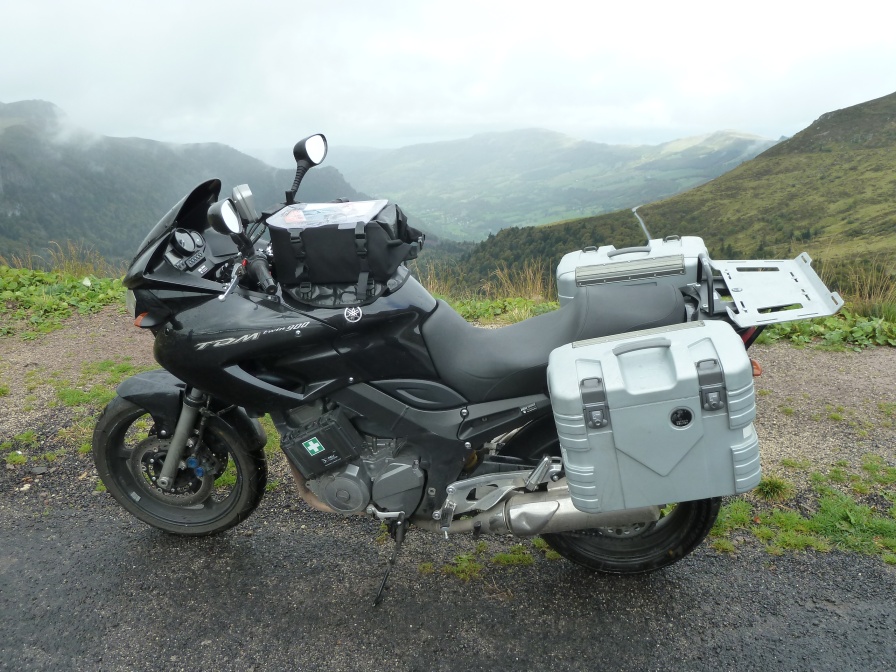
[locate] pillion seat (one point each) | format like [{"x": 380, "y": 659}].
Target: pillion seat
[{"x": 489, "y": 364}]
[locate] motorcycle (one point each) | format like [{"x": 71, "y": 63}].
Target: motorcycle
[{"x": 389, "y": 404}]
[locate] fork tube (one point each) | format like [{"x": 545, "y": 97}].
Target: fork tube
[{"x": 193, "y": 401}]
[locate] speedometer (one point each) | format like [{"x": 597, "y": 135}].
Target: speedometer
[{"x": 183, "y": 242}]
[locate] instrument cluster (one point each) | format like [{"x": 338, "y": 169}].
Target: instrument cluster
[{"x": 186, "y": 251}]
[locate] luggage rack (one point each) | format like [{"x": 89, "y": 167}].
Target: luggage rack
[{"x": 769, "y": 291}]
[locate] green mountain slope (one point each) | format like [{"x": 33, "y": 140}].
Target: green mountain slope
[
  {"x": 59, "y": 184},
  {"x": 468, "y": 188},
  {"x": 830, "y": 189}
]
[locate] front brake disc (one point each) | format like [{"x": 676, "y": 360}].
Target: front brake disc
[{"x": 146, "y": 463}]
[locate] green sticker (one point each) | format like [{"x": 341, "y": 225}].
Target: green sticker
[{"x": 313, "y": 446}]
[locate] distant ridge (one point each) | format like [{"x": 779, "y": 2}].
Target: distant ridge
[
  {"x": 467, "y": 188},
  {"x": 59, "y": 183},
  {"x": 830, "y": 189}
]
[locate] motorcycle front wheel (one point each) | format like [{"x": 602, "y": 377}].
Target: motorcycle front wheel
[{"x": 218, "y": 487}]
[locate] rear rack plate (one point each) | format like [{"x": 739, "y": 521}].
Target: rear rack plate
[{"x": 770, "y": 291}]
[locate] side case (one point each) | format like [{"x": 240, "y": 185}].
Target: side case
[
  {"x": 654, "y": 417},
  {"x": 672, "y": 260}
]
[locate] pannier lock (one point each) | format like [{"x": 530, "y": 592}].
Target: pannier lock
[
  {"x": 594, "y": 398},
  {"x": 711, "y": 381}
]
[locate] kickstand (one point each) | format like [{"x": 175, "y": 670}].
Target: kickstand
[{"x": 398, "y": 527}]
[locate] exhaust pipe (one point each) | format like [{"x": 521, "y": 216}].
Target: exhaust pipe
[{"x": 550, "y": 511}]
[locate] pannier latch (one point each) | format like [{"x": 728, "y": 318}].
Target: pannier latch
[
  {"x": 594, "y": 398},
  {"x": 711, "y": 381}
]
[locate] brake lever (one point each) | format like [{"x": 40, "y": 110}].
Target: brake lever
[{"x": 237, "y": 273}]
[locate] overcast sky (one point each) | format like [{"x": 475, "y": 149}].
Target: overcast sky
[{"x": 383, "y": 73}]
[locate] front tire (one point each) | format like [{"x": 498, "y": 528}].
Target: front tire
[{"x": 222, "y": 491}]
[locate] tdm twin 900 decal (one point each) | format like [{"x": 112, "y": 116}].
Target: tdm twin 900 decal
[
  {"x": 228, "y": 341},
  {"x": 220, "y": 343}
]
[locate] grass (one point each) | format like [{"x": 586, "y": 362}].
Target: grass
[
  {"x": 16, "y": 458},
  {"x": 844, "y": 511},
  {"x": 518, "y": 555},
  {"x": 774, "y": 489},
  {"x": 543, "y": 546},
  {"x": 465, "y": 567},
  {"x": 34, "y": 302}
]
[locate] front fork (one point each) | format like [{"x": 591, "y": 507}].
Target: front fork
[{"x": 194, "y": 400}]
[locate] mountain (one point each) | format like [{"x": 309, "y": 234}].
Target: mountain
[
  {"x": 58, "y": 183},
  {"x": 465, "y": 189},
  {"x": 830, "y": 189}
]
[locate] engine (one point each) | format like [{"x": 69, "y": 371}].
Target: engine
[{"x": 345, "y": 470}]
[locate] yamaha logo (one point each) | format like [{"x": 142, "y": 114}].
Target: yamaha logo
[{"x": 353, "y": 314}]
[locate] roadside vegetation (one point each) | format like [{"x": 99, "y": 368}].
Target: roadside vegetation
[
  {"x": 35, "y": 301},
  {"x": 848, "y": 507}
]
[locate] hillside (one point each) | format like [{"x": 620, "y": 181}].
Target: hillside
[
  {"x": 468, "y": 188},
  {"x": 830, "y": 189},
  {"x": 60, "y": 184}
]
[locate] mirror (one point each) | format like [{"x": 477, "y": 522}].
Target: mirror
[
  {"x": 223, "y": 218},
  {"x": 312, "y": 149}
]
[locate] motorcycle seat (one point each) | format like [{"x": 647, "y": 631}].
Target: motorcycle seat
[{"x": 490, "y": 364}]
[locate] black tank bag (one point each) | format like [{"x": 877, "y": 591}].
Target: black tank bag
[{"x": 341, "y": 254}]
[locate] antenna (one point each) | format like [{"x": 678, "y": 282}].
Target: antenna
[{"x": 641, "y": 222}]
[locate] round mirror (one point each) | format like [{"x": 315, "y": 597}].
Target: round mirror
[
  {"x": 231, "y": 219},
  {"x": 223, "y": 218},
  {"x": 316, "y": 147}
]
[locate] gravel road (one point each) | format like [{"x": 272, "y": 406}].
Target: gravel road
[{"x": 85, "y": 587}]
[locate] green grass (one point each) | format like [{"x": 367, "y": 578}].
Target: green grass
[
  {"x": 543, "y": 546},
  {"x": 844, "y": 331},
  {"x": 774, "y": 489},
  {"x": 34, "y": 302},
  {"x": 795, "y": 464},
  {"x": 16, "y": 458},
  {"x": 94, "y": 396},
  {"x": 518, "y": 555},
  {"x": 843, "y": 512},
  {"x": 465, "y": 567}
]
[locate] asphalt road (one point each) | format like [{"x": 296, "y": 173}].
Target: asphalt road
[{"x": 83, "y": 587}]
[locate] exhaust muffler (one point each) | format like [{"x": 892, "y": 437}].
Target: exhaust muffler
[{"x": 546, "y": 512}]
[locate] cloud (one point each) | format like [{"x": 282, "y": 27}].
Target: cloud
[{"x": 390, "y": 73}]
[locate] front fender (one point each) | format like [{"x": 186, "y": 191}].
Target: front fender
[{"x": 161, "y": 394}]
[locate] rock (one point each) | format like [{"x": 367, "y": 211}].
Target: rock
[{"x": 39, "y": 470}]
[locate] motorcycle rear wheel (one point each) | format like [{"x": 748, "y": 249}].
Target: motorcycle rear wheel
[
  {"x": 631, "y": 551},
  {"x": 681, "y": 528},
  {"x": 127, "y": 454}
]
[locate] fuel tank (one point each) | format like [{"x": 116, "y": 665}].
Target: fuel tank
[{"x": 264, "y": 352}]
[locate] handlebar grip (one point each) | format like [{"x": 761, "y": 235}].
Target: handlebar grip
[{"x": 258, "y": 269}]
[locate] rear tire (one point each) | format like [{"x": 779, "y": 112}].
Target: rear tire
[
  {"x": 633, "y": 551},
  {"x": 619, "y": 551},
  {"x": 214, "y": 498}
]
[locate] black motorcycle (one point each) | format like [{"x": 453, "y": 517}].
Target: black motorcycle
[{"x": 387, "y": 402}]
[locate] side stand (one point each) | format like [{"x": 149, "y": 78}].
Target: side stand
[{"x": 397, "y": 529}]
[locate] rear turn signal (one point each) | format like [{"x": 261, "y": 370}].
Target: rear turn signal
[
  {"x": 142, "y": 315},
  {"x": 757, "y": 369}
]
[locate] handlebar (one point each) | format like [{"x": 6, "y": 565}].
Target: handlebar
[{"x": 259, "y": 271}]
